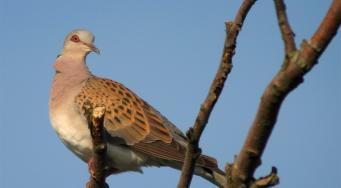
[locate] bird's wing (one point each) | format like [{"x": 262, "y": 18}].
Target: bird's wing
[
  {"x": 126, "y": 116},
  {"x": 130, "y": 118}
]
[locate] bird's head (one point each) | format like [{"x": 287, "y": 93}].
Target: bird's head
[{"x": 80, "y": 42}]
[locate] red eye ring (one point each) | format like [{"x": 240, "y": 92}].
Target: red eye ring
[{"x": 75, "y": 38}]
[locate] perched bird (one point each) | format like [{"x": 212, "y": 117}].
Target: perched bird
[{"x": 137, "y": 134}]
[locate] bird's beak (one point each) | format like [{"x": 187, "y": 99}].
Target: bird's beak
[{"x": 93, "y": 48}]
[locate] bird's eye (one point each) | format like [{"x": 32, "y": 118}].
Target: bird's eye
[{"x": 75, "y": 38}]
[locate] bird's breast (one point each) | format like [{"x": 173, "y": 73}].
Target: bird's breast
[{"x": 72, "y": 129}]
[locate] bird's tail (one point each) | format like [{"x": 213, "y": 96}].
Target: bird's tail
[
  {"x": 215, "y": 176},
  {"x": 207, "y": 168}
]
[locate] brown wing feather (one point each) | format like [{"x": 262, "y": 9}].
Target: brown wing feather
[
  {"x": 126, "y": 115},
  {"x": 172, "y": 152},
  {"x": 140, "y": 126},
  {"x": 169, "y": 151}
]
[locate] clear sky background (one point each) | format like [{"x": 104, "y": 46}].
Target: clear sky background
[{"x": 168, "y": 53}]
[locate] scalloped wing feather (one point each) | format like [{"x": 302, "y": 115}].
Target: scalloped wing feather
[
  {"x": 127, "y": 116},
  {"x": 130, "y": 118}
]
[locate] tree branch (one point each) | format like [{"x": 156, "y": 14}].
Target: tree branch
[
  {"x": 284, "y": 26},
  {"x": 268, "y": 181},
  {"x": 97, "y": 163},
  {"x": 194, "y": 134},
  {"x": 285, "y": 81}
]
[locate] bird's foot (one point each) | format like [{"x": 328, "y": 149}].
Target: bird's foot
[
  {"x": 91, "y": 167},
  {"x": 108, "y": 170}
]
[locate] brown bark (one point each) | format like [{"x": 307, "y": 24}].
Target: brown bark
[
  {"x": 284, "y": 26},
  {"x": 285, "y": 81},
  {"x": 194, "y": 134},
  {"x": 97, "y": 163}
]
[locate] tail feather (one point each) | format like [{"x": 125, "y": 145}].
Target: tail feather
[
  {"x": 208, "y": 169},
  {"x": 215, "y": 176},
  {"x": 207, "y": 161}
]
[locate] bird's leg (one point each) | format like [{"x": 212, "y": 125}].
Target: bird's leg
[
  {"x": 108, "y": 170},
  {"x": 91, "y": 167}
]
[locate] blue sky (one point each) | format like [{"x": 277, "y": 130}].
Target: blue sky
[{"x": 168, "y": 53}]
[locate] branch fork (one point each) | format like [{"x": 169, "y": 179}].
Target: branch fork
[{"x": 295, "y": 65}]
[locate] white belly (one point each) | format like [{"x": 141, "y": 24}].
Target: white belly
[
  {"x": 74, "y": 133},
  {"x": 73, "y": 130}
]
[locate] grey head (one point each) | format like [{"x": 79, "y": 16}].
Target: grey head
[{"x": 80, "y": 41}]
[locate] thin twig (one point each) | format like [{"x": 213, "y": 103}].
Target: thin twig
[
  {"x": 194, "y": 134},
  {"x": 284, "y": 26},
  {"x": 97, "y": 162},
  {"x": 282, "y": 84}
]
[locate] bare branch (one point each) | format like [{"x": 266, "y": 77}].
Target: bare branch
[
  {"x": 194, "y": 134},
  {"x": 285, "y": 81},
  {"x": 97, "y": 163},
  {"x": 268, "y": 181},
  {"x": 284, "y": 26},
  {"x": 325, "y": 33}
]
